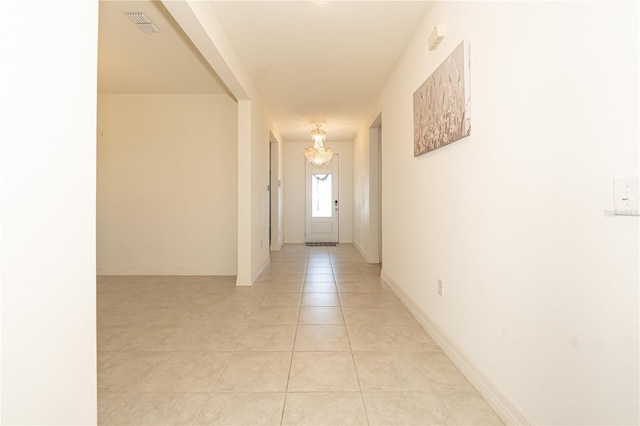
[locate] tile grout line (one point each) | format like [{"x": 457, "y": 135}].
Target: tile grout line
[
  {"x": 449, "y": 416},
  {"x": 295, "y": 335},
  {"x": 334, "y": 260},
  {"x": 364, "y": 406},
  {"x": 135, "y": 392},
  {"x": 210, "y": 395}
]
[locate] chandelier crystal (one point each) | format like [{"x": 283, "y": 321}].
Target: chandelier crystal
[{"x": 318, "y": 154}]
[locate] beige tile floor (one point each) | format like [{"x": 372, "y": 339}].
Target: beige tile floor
[{"x": 318, "y": 340}]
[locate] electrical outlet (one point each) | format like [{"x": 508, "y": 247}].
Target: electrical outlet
[
  {"x": 260, "y": 243},
  {"x": 440, "y": 288}
]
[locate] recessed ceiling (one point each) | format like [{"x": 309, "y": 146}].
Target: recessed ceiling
[{"x": 131, "y": 61}]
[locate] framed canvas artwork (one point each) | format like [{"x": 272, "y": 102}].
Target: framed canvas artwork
[{"x": 441, "y": 105}]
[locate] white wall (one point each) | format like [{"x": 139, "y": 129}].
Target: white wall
[
  {"x": 48, "y": 123},
  {"x": 294, "y": 190},
  {"x": 202, "y": 26},
  {"x": 540, "y": 301},
  {"x": 167, "y": 184},
  {"x": 260, "y": 145},
  {"x": 366, "y": 192},
  {"x": 361, "y": 199},
  {"x": 277, "y": 199}
]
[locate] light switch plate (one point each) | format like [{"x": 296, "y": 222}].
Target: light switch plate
[{"x": 626, "y": 196}]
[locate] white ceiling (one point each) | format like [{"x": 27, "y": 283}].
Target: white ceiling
[
  {"x": 130, "y": 61},
  {"x": 311, "y": 61}
]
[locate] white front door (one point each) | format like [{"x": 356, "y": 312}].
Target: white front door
[{"x": 323, "y": 203}]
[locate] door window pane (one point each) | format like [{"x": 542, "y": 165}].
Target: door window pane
[{"x": 321, "y": 195}]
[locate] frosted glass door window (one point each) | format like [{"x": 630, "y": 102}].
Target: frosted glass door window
[{"x": 321, "y": 195}]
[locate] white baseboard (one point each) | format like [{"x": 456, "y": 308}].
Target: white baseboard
[
  {"x": 165, "y": 271},
  {"x": 256, "y": 274},
  {"x": 367, "y": 257},
  {"x": 243, "y": 281},
  {"x": 508, "y": 411},
  {"x": 295, "y": 241}
]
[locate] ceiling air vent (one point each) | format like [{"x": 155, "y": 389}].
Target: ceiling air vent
[{"x": 142, "y": 22}]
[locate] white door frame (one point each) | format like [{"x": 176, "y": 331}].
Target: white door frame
[{"x": 323, "y": 229}]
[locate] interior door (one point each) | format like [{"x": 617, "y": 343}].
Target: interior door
[{"x": 322, "y": 202}]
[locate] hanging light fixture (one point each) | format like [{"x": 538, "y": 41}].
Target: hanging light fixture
[{"x": 318, "y": 154}]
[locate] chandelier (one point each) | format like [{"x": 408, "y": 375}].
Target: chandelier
[{"x": 318, "y": 154}]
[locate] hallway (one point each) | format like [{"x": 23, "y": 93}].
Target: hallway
[{"x": 319, "y": 339}]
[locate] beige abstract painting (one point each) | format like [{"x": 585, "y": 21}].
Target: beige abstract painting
[{"x": 441, "y": 105}]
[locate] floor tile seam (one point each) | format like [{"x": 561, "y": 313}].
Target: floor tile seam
[
  {"x": 355, "y": 368},
  {"x": 389, "y": 326},
  {"x": 115, "y": 413},
  {"x": 434, "y": 393},
  {"x": 110, "y": 355},
  {"x": 429, "y": 380},
  {"x": 133, "y": 394},
  {"x": 216, "y": 392},
  {"x": 324, "y": 391},
  {"x": 446, "y": 409},
  {"x": 199, "y": 412},
  {"x": 189, "y": 392},
  {"x": 405, "y": 351},
  {"x": 286, "y": 389},
  {"x": 151, "y": 374},
  {"x": 222, "y": 370},
  {"x": 390, "y": 351}
]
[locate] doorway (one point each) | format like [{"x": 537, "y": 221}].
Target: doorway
[
  {"x": 274, "y": 189},
  {"x": 375, "y": 190},
  {"x": 322, "y": 202}
]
